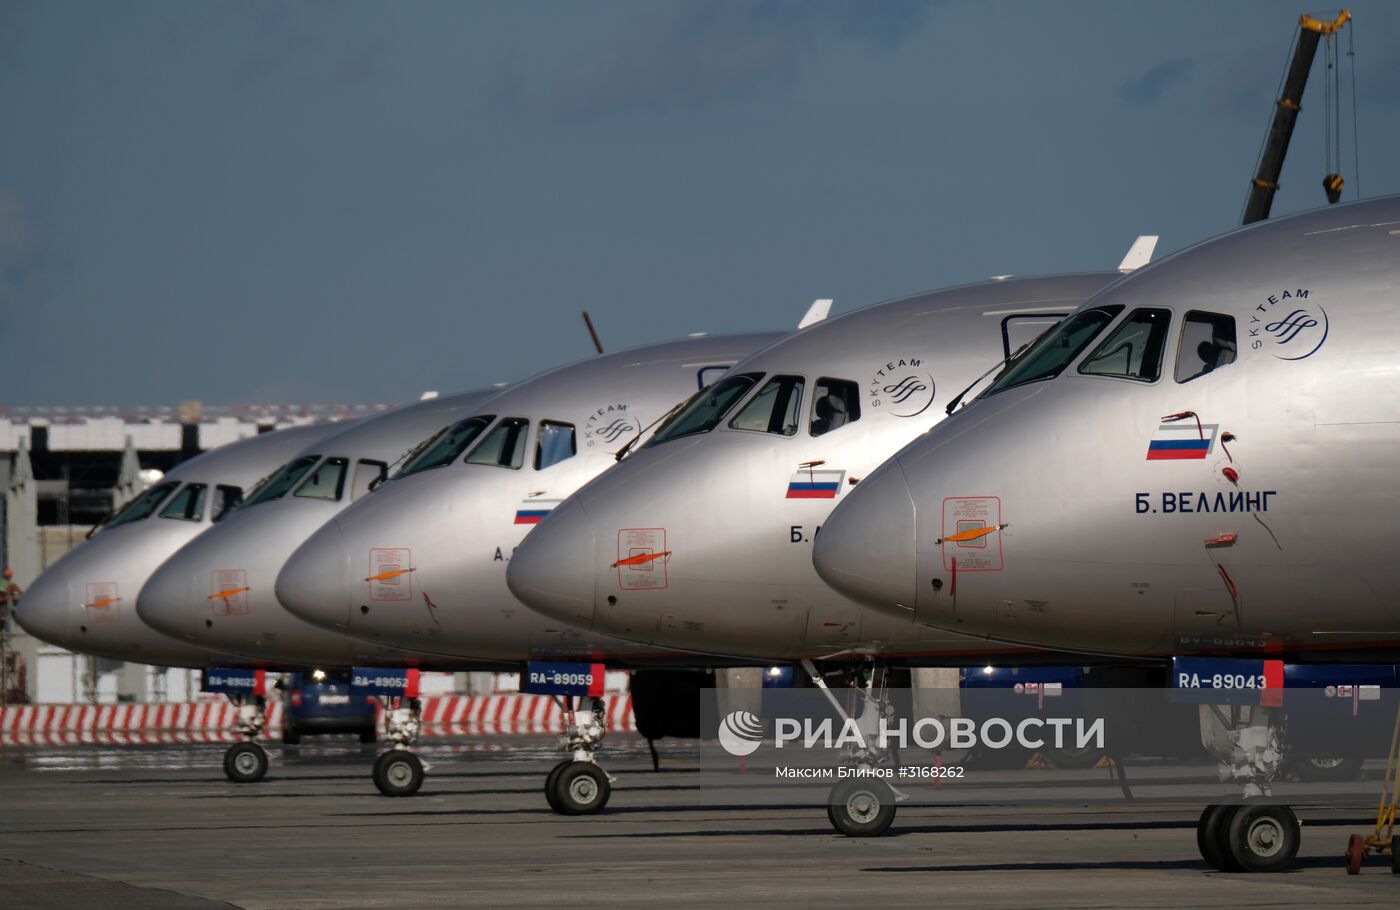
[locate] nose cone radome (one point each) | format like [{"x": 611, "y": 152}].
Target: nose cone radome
[
  {"x": 46, "y": 609},
  {"x": 314, "y": 584},
  {"x": 169, "y": 602},
  {"x": 552, "y": 570},
  {"x": 866, "y": 549}
]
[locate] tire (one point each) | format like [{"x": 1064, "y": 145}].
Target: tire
[
  {"x": 1394, "y": 858},
  {"x": 1327, "y": 770},
  {"x": 291, "y": 736},
  {"x": 1263, "y": 838},
  {"x": 549, "y": 785},
  {"x": 1211, "y": 837},
  {"x": 398, "y": 772},
  {"x": 861, "y": 808},
  {"x": 245, "y": 763},
  {"x": 1356, "y": 852},
  {"x": 580, "y": 788},
  {"x": 369, "y": 735}
]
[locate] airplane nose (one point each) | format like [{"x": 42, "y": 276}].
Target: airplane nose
[
  {"x": 866, "y": 548},
  {"x": 46, "y": 609},
  {"x": 314, "y": 583},
  {"x": 168, "y": 603},
  {"x": 552, "y": 570}
]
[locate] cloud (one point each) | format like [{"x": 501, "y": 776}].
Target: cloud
[
  {"x": 1151, "y": 86},
  {"x": 697, "y": 53}
]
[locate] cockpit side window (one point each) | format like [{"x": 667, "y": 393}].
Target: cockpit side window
[
  {"x": 326, "y": 482},
  {"x": 554, "y": 444},
  {"x": 777, "y": 408},
  {"x": 142, "y": 506},
  {"x": 1054, "y": 351},
  {"x": 226, "y": 499},
  {"x": 707, "y": 409},
  {"x": 278, "y": 484},
  {"x": 1207, "y": 344},
  {"x": 448, "y": 444},
  {"x": 186, "y": 505},
  {"x": 368, "y": 472},
  {"x": 504, "y": 446},
  {"x": 1134, "y": 350},
  {"x": 835, "y": 403}
]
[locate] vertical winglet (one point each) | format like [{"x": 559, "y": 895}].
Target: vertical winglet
[
  {"x": 815, "y": 313},
  {"x": 1139, "y": 254}
]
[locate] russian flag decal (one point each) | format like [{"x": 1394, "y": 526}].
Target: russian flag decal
[
  {"x": 533, "y": 511},
  {"x": 813, "y": 484},
  {"x": 1182, "y": 442}
]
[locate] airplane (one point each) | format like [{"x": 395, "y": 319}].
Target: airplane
[
  {"x": 1196, "y": 465},
  {"x": 774, "y": 446},
  {"x": 216, "y": 591},
  {"x": 86, "y": 601},
  {"x": 461, "y": 555},
  {"x": 526, "y": 446}
]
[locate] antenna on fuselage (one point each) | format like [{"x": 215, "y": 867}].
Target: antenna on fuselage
[
  {"x": 592, "y": 332},
  {"x": 818, "y": 311}
]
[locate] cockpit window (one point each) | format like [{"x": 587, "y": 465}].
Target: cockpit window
[
  {"x": 187, "y": 505},
  {"x": 326, "y": 482},
  {"x": 142, "y": 506},
  {"x": 1207, "y": 343},
  {"x": 226, "y": 499},
  {"x": 555, "y": 443},
  {"x": 707, "y": 409},
  {"x": 504, "y": 446},
  {"x": 777, "y": 408},
  {"x": 450, "y": 443},
  {"x": 278, "y": 484},
  {"x": 1134, "y": 350},
  {"x": 1053, "y": 352},
  {"x": 835, "y": 403}
]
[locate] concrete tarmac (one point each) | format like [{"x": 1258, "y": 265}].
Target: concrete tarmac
[{"x": 160, "y": 827}]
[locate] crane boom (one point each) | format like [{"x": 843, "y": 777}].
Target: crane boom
[{"x": 1265, "y": 183}]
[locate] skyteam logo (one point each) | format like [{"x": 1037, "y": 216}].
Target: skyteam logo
[
  {"x": 741, "y": 733},
  {"x": 1289, "y": 324},
  {"x": 902, "y": 387},
  {"x": 610, "y": 428}
]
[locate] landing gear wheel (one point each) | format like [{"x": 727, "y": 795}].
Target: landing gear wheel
[
  {"x": 1263, "y": 838},
  {"x": 861, "y": 808},
  {"x": 1356, "y": 852},
  {"x": 1210, "y": 837},
  {"x": 245, "y": 763},
  {"x": 578, "y": 788},
  {"x": 1326, "y": 770},
  {"x": 550, "y": 794},
  {"x": 398, "y": 772}
]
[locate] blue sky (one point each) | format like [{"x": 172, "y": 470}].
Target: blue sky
[{"x": 248, "y": 201}]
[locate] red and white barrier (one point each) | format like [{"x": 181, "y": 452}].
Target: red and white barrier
[
  {"x": 449, "y": 715},
  {"x": 216, "y": 720}
]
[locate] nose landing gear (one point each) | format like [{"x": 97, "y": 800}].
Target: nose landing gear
[
  {"x": 863, "y": 806},
  {"x": 246, "y": 761},
  {"x": 399, "y": 771},
  {"x": 578, "y": 786}
]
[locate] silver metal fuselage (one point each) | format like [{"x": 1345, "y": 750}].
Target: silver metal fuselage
[
  {"x": 1252, "y": 508},
  {"x": 447, "y": 533},
  {"x": 737, "y": 509},
  {"x": 86, "y": 601},
  {"x": 217, "y": 591}
]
